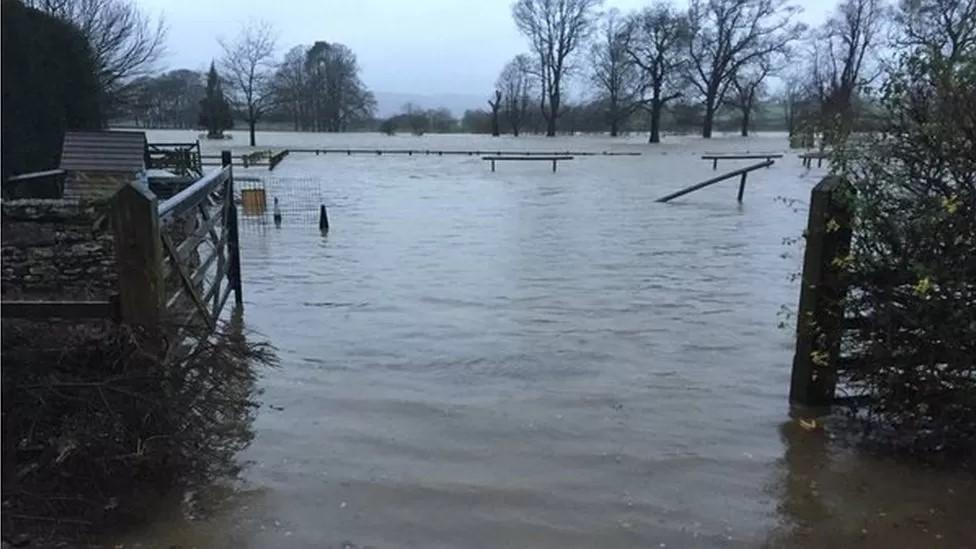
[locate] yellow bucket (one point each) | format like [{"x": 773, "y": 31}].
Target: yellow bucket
[{"x": 253, "y": 201}]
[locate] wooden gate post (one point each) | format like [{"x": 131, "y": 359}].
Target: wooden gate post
[
  {"x": 139, "y": 256},
  {"x": 822, "y": 290},
  {"x": 233, "y": 241}
]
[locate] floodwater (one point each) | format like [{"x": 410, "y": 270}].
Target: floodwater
[{"x": 527, "y": 359}]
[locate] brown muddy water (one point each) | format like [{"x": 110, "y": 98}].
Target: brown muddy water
[{"x": 528, "y": 359}]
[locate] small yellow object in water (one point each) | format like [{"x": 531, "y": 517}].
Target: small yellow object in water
[
  {"x": 809, "y": 424},
  {"x": 923, "y": 286}
]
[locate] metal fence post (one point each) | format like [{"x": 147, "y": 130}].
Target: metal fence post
[{"x": 233, "y": 241}]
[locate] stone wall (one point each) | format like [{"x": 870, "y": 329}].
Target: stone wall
[{"x": 57, "y": 250}]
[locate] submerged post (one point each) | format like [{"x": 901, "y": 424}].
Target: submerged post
[
  {"x": 822, "y": 290},
  {"x": 742, "y": 185},
  {"x": 323, "y": 219}
]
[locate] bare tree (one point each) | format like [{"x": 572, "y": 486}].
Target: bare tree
[
  {"x": 747, "y": 88},
  {"x": 615, "y": 75},
  {"x": 655, "y": 41},
  {"x": 291, "y": 86},
  {"x": 791, "y": 97},
  {"x": 946, "y": 26},
  {"x": 495, "y": 105},
  {"x": 729, "y": 34},
  {"x": 555, "y": 29},
  {"x": 248, "y": 65},
  {"x": 125, "y": 42},
  {"x": 843, "y": 53},
  {"x": 515, "y": 82}
]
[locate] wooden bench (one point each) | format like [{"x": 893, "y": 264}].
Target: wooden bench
[
  {"x": 553, "y": 159},
  {"x": 716, "y": 157}
]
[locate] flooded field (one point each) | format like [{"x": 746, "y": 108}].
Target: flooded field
[{"x": 529, "y": 359}]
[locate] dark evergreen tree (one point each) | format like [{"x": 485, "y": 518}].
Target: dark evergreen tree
[
  {"x": 215, "y": 113},
  {"x": 49, "y": 85}
]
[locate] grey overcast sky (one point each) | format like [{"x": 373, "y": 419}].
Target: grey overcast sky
[{"x": 417, "y": 47}]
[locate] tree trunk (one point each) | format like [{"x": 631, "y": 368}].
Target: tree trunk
[
  {"x": 553, "y": 113},
  {"x": 709, "y": 119},
  {"x": 614, "y": 127},
  {"x": 709, "y": 114},
  {"x": 494, "y": 124},
  {"x": 655, "y": 123},
  {"x": 745, "y": 122},
  {"x": 251, "y": 123}
]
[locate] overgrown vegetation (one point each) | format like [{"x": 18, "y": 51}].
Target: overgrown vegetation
[
  {"x": 912, "y": 267},
  {"x": 124, "y": 40},
  {"x": 96, "y": 426},
  {"x": 49, "y": 85}
]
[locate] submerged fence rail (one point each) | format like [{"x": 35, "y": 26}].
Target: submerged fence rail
[
  {"x": 744, "y": 172},
  {"x": 739, "y": 156},
  {"x": 249, "y": 160},
  {"x": 467, "y": 152}
]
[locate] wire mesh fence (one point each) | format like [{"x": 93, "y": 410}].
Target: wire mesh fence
[{"x": 296, "y": 199}]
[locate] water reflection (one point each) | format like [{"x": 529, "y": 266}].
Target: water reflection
[{"x": 832, "y": 495}]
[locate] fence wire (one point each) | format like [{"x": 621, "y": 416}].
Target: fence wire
[{"x": 299, "y": 199}]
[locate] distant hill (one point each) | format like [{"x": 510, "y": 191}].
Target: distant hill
[{"x": 390, "y": 103}]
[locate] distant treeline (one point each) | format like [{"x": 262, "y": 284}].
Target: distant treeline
[
  {"x": 656, "y": 69},
  {"x": 660, "y": 68},
  {"x": 173, "y": 100},
  {"x": 588, "y": 117}
]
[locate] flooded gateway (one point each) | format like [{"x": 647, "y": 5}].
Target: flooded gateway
[{"x": 536, "y": 359}]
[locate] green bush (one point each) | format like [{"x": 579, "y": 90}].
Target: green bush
[{"x": 912, "y": 268}]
